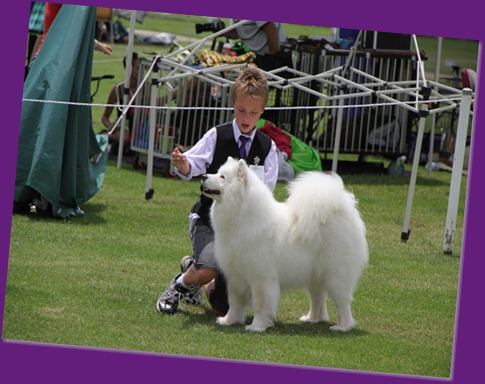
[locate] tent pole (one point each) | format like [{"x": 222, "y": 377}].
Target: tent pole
[
  {"x": 456, "y": 175},
  {"x": 152, "y": 123},
  {"x": 414, "y": 172},
  {"x": 338, "y": 133},
  {"x": 433, "y": 118}
]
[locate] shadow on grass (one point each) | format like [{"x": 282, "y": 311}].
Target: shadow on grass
[
  {"x": 207, "y": 318},
  {"x": 91, "y": 216}
]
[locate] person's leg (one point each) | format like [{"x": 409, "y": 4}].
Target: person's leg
[
  {"x": 204, "y": 267},
  {"x": 169, "y": 300},
  {"x": 201, "y": 271},
  {"x": 216, "y": 292},
  {"x": 205, "y": 272},
  {"x": 198, "y": 276}
]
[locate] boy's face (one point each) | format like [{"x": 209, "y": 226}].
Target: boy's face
[{"x": 248, "y": 110}]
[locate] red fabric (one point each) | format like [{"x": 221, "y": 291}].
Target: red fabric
[
  {"x": 50, "y": 13},
  {"x": 281, "y": 139}
]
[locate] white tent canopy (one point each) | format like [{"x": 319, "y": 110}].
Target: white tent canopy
[{"x": 421, "y": 89}]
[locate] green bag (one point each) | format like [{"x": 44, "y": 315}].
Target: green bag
[{"x": 304, "y": 158}]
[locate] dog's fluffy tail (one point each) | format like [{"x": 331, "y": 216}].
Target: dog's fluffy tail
[{"x": 313, "y": 198}]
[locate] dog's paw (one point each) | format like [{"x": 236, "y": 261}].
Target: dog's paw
[
  {"x": 223, "y": 321},
  {"x": 228, "y": 321},
  {"x": 259, "y": 325},
  {"x": 308, "y": 319},
  {"x": 343, "y": 328},
  {"x": 255, "y": 328}
]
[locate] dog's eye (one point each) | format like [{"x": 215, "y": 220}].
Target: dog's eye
[{"x": 223, "y": 177}]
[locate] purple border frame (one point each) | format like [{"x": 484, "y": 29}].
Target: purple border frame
[{"x": 21, "y": 362}]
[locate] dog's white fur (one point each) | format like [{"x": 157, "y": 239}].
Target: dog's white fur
[{"x": 315, "y": 240}]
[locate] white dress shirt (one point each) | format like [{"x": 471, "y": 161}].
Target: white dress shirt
[{"x": 200, "y": 156}]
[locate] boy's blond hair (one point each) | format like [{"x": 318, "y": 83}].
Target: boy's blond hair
[{"x": 251, "y": 82}]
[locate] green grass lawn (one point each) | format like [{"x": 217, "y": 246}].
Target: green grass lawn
[{"x": 94, "y": 281}]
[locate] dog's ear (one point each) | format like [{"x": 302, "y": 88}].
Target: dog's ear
[{"x": 242, "y": 171}]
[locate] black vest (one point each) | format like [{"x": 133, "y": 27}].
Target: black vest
[{"x": 226, "y": 146}]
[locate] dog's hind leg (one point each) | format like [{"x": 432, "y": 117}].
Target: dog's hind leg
[
  {"x": 345, "y": 320},
  {"x": 266, "y": 297},
  {"x": 318, "y": 305}
]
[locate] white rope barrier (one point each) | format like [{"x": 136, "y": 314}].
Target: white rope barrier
[{"x": 307, "y": 107}]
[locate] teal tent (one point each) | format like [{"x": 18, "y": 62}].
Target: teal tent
[{"x": 61, "y": 161}]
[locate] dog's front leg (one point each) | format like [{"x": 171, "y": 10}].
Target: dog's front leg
[
  {"x": 237, "y": 308},
  {"x": 318, "y": 305},
  {"x": 266, "y": 297}
]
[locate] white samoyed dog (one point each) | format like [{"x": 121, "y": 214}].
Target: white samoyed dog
[{"x": 315, "y": 240}]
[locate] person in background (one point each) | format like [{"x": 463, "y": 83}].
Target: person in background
[
  {"x": 50, "y": 13},
  {"x": 265, "y": 39},
  {"x": 115, "y": 97},
  {"x": 36, "y": 30}
]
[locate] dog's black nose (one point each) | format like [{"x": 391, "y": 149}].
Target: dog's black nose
[{"x": 204, "y": 177}]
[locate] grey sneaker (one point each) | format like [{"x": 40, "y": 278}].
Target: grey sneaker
[
  {"x": 194, "y": 294},
  {"x": 169, "y": 301}
]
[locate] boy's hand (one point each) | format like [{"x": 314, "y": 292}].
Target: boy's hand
[{"x": 180, "y": 162}]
